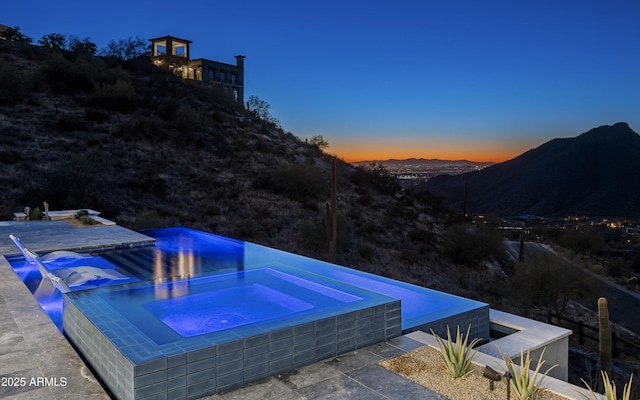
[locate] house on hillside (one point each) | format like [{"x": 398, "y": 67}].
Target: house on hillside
[
  {"x": 174, "y": 54},
  {"x": 3, "y": 28}
]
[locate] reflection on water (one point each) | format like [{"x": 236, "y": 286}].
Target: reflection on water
[{"x": 182, "y": 266}]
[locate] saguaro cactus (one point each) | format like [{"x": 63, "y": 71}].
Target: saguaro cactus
[
  {"x": 605, "y": 337},
  {"x": 332, "y": 219}
]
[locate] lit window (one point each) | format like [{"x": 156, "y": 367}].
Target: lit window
[
  {"x": 160, "y": 49},
  {"x": 235, "y": 95}
]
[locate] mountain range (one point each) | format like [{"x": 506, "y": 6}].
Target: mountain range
[
  {"x": 593, "y": 174},
  {"x": 431, "y": 162}
]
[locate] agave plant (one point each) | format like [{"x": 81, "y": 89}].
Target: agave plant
[
  {"x": 610, "y": 391},
  {"x": 457, "y": 356},
  {"x": 526, "y": 386}
]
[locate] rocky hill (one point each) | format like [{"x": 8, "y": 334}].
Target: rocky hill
[
  {"x": 150, "y": 150},
  {"x": 593, "y": 174}
]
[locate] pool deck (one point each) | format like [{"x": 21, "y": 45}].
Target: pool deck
[{"x": 31, "y": 347}]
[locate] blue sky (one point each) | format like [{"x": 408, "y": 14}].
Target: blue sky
[{"x": 448, "y": 79}]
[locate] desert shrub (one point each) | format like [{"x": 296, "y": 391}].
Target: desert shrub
[
  {"x": 65, "y": 76},
  {"x": 9, "y": 156},
  {"x": 166, "y": 108},
  {"x": 78, "y": 181},
  {"x": 376, "y": 176},
  {"x": 149, "y": 178},
  {"x": 546, "y": 280},
  {"x": 148, "y": 219},
  {"x": 188, "y": 119},
  {"x": 401, "y": 211},
  {"x": 84, "y": 218},
  {"x": 614, "y": 267},
  {"x": 35, "y": 214},
  {"x": 100, "y": 72},
  {"x": 70, "y": 123},
  {"x": 424, "y": 236},
  {"x": 245, "y": 229},
  {"x": 410, "y": 256},
  {"x": 96, "y": 115},
  {"x": 153, "y": 184},
  {"x": 5, "y": 213},
  {"x": 299, "y": 182},
  {"x": 313, "y": 236},
  {"x": 424, "y": 197},
  {"x": 365, "y": 200},
  {"x": 15, "y": 84},
  {"x": 365, "y": 251},
  {"x": 372, "y": 228},
  {"x": 120, "y": 96},
  {"x": 141, "y": 126},
  {"x": 472, "y": 245}
]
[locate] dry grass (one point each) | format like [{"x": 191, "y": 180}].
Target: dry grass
[{"x": 424, "y": 367}]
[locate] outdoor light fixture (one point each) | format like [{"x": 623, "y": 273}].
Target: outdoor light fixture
[
  {"x": 492, "y": 375},
  {"x": 495, "y": 376}
]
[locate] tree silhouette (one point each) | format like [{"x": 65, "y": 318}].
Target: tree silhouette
[
  {"x": 13, "y": 34},
  {"x": 53, "y": 40},
  {"x": 126, "y": 49},
  {"x": 84, "y": 46},
  {"x": 319, "y": 141},
  {"x": 260, "y": 108}
]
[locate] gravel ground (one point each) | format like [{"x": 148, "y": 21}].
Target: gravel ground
[{"x": 423, "y": 366}]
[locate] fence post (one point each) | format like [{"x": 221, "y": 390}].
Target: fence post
[{"x": 581, "y": 332}]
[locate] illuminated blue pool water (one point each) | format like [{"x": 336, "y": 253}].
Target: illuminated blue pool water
[
  {"x": 183, "y": 252},
  {"x": 219, "y": 302},
  {"x": 248, "y": 310}
]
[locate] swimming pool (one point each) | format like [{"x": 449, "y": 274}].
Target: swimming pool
[{"x": 209, "y": 313}]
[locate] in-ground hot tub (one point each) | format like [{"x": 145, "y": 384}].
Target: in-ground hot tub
[
  {"x": 195, "y": 337},
  {"x": 221, "y": 302}
]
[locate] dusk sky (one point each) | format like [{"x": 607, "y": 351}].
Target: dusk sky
[{"x": 478, "y": 80}]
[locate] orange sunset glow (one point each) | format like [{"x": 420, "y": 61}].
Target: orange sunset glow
[{"x": 354, "y": 151}]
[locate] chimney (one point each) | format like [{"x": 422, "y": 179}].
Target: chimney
[{"x": 240, "y": 61}]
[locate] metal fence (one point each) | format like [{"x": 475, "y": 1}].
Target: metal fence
[{"x": 619, "y": 345}]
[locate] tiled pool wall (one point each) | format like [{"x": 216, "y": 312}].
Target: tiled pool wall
[
  {"x": 197, "y": 372},
  {"x": 477, "y": 320},
  {"x": 463, "y": 312}
]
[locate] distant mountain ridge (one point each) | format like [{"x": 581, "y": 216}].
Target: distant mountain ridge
[
  {"x": 593, "y": 174},
  {"x": 422, "y": 161}
]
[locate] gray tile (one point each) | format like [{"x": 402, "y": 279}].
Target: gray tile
[
  {"x": 354, "y": 360},
  {"x": 386, "y": 350},
  {"x": 201, "y": 354},
  {"x": 309, "y": 375},
  {"x": 338, "y": 388},
  {"x": 390, "y": 384},
  {"x": 266, "y": 389},
  {"x": 405, "y": 343},
  {"x": 256, "y": 340}
]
